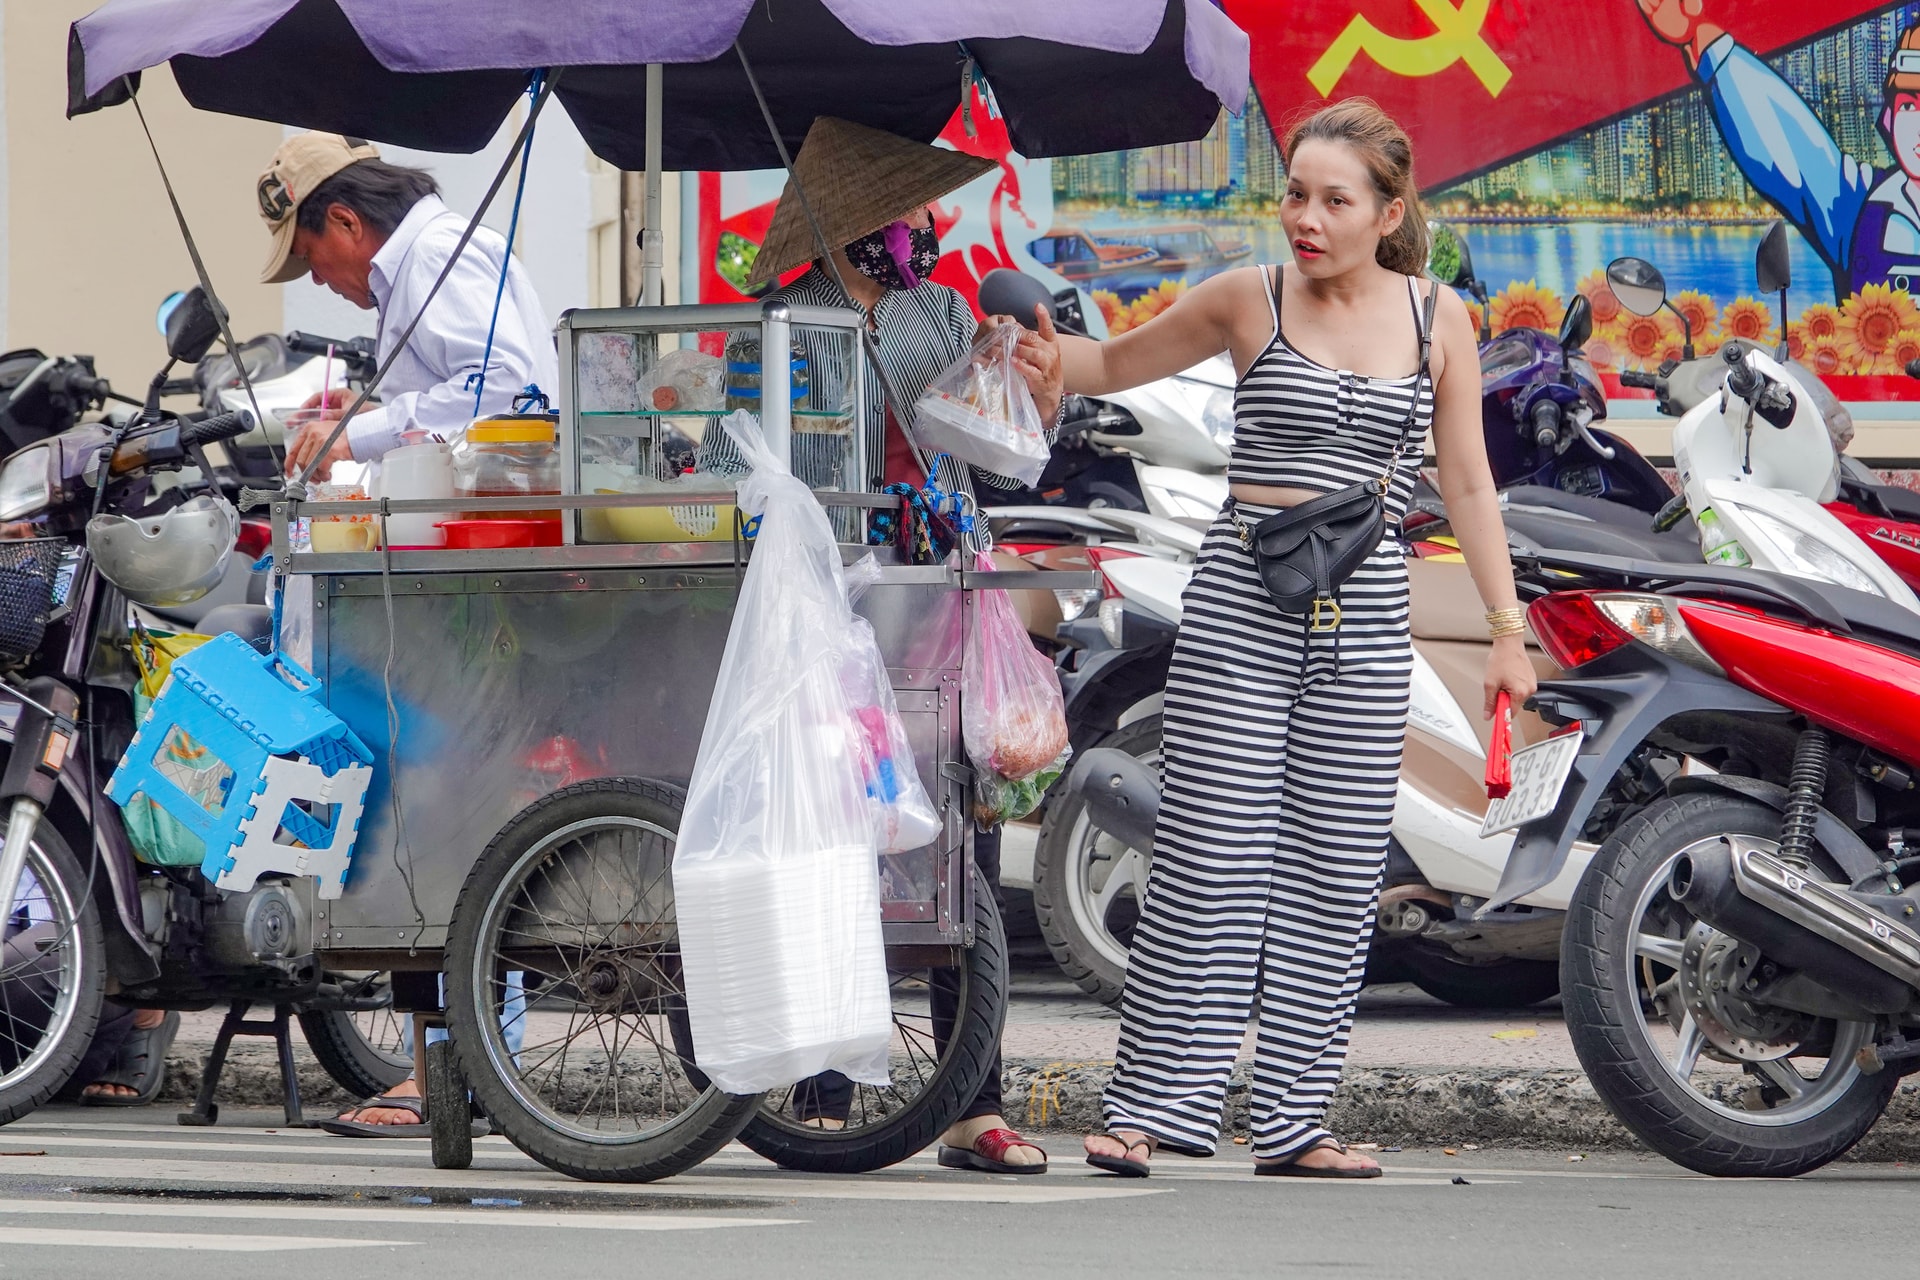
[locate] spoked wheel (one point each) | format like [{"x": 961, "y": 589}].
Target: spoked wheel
[
  {"x": 576, "y": 894},
  {"x": 366, "y": 1051},
  {"x": 929, "y": 1086},
  {"x": 1715, "y": 1082},
  {"x": 52, "y": 975},
  {"x": 1088, "y": 886}
]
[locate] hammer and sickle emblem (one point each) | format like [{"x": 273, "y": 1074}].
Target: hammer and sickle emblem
[
  {"x": 274, "y": 197},
  {"x": 1457, "y": 39}
]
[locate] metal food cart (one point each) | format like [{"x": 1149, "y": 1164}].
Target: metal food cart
[{"x": 538, "y": 710}]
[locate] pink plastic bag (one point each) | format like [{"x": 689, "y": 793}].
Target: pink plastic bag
[{"x": 1013, "y": 716}]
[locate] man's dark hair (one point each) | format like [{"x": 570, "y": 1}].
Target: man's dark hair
[{"x": 379, "y": 192}]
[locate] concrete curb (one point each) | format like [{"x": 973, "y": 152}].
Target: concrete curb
[{"x": 1394, "y": 1106}]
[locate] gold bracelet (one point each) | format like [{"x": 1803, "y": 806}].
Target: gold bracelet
[{"x": 1506, "y": 622}]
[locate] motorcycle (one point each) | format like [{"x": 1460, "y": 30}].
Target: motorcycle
[
  {"x": 1741, "y": 965},
  {"x": 79, "y": 909}
]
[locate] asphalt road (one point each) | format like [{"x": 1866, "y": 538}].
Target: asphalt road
[{"x": 91, "y": 1193}]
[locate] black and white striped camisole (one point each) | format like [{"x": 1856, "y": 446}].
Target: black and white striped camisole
[{"x": 1301, "y": 425}]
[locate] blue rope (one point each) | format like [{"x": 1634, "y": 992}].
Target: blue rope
[{"x": 479, "y": 380}]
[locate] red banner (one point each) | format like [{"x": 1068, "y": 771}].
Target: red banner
[{"x": 1480, "y": 82}]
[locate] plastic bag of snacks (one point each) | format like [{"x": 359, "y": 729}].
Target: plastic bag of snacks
[
  {"x": 903, "y": 816},
  {"x": 776, "y": 871},
  {"x": 980, "y": 411},
  {"x": 1013, "y": 715}
]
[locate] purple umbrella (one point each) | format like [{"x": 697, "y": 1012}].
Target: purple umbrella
[{"x": 1070, "y": 76}]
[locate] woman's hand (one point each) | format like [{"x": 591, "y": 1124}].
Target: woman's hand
[
  {"x": 1037, "y": 357},
  {"x": 1509, "y": 668}
]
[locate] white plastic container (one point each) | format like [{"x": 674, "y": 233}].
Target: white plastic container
[{"x": 417, "y": 471}]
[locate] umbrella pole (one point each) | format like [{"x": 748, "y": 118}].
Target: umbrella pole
[{"x": 651, "y": 241}]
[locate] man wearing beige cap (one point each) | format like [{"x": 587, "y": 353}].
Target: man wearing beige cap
[{"x": 379, "y": 235}]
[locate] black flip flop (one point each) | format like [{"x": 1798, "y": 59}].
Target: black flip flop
[
  {"x": 361, "y": 1129},
  {"x": 139, "y": 1064},
  {"x": 1294, "y": 1169},
  {"x": 1120, "y": 1166}
]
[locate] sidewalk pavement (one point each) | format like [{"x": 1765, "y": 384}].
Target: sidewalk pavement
[{"x": 1419, "y": 1074}]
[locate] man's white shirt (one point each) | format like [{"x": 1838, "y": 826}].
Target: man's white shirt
[{"x": 427, "y": 388}]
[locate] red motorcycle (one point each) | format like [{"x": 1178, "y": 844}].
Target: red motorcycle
[{"x": 1741, "y": 965}]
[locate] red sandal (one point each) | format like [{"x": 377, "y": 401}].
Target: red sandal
[{"x": 988, "y": 1154}]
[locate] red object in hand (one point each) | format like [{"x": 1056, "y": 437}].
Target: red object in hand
[{"x": 1500, "y": 750}]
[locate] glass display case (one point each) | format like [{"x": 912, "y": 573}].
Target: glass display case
[{"x": 643, "y": 391}]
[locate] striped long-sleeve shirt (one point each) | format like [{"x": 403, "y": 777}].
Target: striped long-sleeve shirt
[{"x": 918, "y": 333}]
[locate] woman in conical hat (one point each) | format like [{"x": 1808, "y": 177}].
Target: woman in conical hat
[{"x": 869, "y": 193}]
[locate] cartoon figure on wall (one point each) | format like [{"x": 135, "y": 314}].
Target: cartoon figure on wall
[{"x": 1863, "y": 221}]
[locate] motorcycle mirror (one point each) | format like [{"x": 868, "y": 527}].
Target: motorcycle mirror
[
  {"x": 165, "y": 310},
  {"x": 1005, "y": 292},
  {"x": 1638, "y": 284},
  {"x": 1577, "y": 326},
  {"x": 1771, "y": 263},
  {"x": 191, "y": 326},
  {"x": 1448, "y": 259}
]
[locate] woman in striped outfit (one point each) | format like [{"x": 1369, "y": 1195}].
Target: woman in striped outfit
[{"x": 1282, "y": 743}]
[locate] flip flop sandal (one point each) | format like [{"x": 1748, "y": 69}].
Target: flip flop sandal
[
  {"x": 988, "y": 1154},
  {"x": 362, "y": 1129},
  {"x": 1120, "y": 1165},
  {"x": 1294, "y": 1169},
  {"x": 139, "y": 1064}
]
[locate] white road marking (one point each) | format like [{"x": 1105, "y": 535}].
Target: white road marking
[
  {"x": 62, "y": 1239},
  {"x": 343, "y": 1215},
  {"x": 903, "y": 1185}
]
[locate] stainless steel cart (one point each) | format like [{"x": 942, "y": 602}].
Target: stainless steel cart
[{"x": 536, "y": 712}]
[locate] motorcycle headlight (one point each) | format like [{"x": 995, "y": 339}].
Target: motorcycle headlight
[
  {"x": 25, "y": 484},
  {"x": 1217, "y": 417},
  {"x": 1807, "y": 554}
]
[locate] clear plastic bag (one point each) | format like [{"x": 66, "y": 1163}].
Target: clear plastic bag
[
  {"x": 980, "y": 411},
  {"x": 998, "y": 800},
  {"x": 685, "y": 381},
  {"x": 903, "y": 816},
  {"x": 1013, "y": 715},
  {"x": 776, "y": 878}
]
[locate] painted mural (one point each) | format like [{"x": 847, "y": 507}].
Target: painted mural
[{"x": 1556, "y": 137}]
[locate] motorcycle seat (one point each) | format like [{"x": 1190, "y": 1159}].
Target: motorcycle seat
[
  {"x": 251, "y": 622},
  {"x": 1558, "y": 531}
]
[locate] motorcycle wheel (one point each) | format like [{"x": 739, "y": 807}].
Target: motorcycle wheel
[
  {"x": 929, "y": 1089},
  {"x": 53, "y": 975},
  {"x": 1497, "y": 984},
  {"x": 576, "y": 893},
  {"x": 1088, "y": 886},
  {"x": 1702, "y": 1105},
  {"x": 367, "y": 1051}
]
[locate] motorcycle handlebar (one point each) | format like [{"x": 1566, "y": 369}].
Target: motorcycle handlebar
[
  {"x": 1913, "y": 368},
  {"x": 1742, "y": 378},
  {"x": 1641, "y": 380},
  {"x": 222, "y": 426},
  {"x": 1546, "y": 423}
]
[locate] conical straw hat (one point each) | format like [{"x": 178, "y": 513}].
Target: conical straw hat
[{"x": 857, "y": 180}]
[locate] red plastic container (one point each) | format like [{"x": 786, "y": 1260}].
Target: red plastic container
[{"x": 485, "y": 535}]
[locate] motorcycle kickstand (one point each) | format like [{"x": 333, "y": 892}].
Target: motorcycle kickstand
[{"x": 205, "y": 1110}]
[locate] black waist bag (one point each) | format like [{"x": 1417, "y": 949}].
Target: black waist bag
[{"x": 1304, "y": 553}]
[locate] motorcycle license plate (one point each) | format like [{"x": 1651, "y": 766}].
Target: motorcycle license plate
[{"x": 1539, "y": 771}]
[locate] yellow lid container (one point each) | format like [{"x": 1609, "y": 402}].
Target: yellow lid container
[{"x": 515, "y": 428}]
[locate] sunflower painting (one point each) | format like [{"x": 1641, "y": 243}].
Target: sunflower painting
[
  {"x": 1749, "y": 321},
  {"x": 1642, "y": 337},
  {"x": 1526, "y": 306},
  {"x": 1905, "y": 349},
  {"x": 1698, "y": 310},
  {"x": 1606, "y": 307},
  {"x": 1825, "y": 357},
  {"x": 1821, "y": 320}
]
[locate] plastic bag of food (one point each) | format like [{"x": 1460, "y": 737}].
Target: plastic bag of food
[
  {"x": 685, "y": 381},
  {"x": 775, "y": 874},
  {"x": 903, "y": 816},
  {"x": 998, "y": 800},
  {"x": 1013, "y": 715},
  {"x": 980, "y": 411}
]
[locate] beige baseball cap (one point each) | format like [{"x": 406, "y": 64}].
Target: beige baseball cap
[{"x": 302, "y": 163}]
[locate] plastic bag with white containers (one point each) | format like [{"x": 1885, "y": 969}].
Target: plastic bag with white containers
[{"x": 775, "y": 874}]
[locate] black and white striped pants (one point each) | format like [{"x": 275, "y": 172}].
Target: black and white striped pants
[{"x": 1280, "y": 783}]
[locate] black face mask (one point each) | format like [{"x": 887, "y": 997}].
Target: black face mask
[{"x": 896, "y": 256}]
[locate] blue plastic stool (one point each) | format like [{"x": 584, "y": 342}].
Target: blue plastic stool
[{"x": 278, "y": 782}]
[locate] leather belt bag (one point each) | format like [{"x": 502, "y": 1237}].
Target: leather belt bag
[{"x": 1305, "y": 553}]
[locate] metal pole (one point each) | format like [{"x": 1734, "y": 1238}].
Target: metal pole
[
  {"x": 776, "y": 379},
  {"x": 652, "y": 252}
]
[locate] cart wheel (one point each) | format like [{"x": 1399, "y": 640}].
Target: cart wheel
[
  {"x": 449, "y": 1115},
  {"x": 577, "y": 894},
  {"x": 885, "y": 1125}
]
